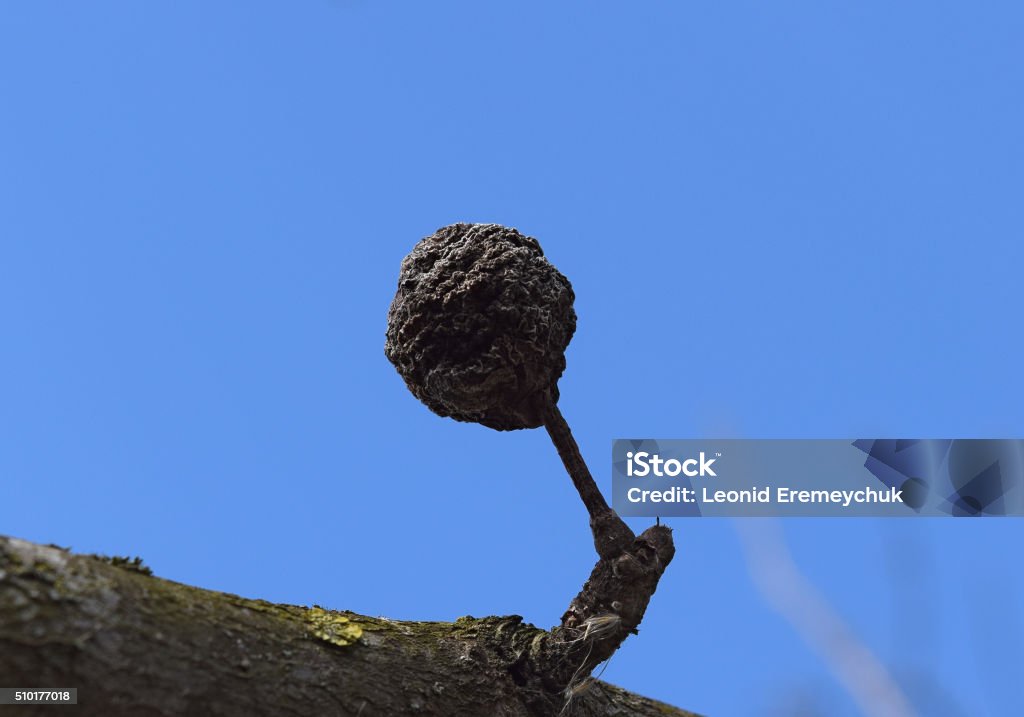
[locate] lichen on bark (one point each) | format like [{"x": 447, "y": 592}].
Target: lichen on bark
[{"x": 137, "y": 645}]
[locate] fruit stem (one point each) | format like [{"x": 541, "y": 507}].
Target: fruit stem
[{"x": 611, "y": 534}]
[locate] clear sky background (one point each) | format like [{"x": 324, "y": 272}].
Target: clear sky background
[{"x": 781, "y": 219}]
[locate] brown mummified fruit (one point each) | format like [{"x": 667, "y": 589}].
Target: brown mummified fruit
[
  {"x": 479, "y": 326},
  {"x": 478, "y": 329}
]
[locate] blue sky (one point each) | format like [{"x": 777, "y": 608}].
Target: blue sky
[{"x": 790, "y": 219}]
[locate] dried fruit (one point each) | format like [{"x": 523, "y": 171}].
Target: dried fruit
[{"x": 479, "y": 326}]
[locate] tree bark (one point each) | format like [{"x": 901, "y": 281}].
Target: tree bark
[{"x": 142, "y": 646}]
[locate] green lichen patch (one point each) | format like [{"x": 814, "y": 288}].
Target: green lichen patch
[
  {"x": 44, "y": 571},
  {"x": 332, "y": 627},
  {"x": 122, "y": 561},
  {"x": 263, "y": 606}
]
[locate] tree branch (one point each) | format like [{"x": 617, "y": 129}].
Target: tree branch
[
  {"x": 612, "y": 602},
  {"x": 142, "y": 646}
]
